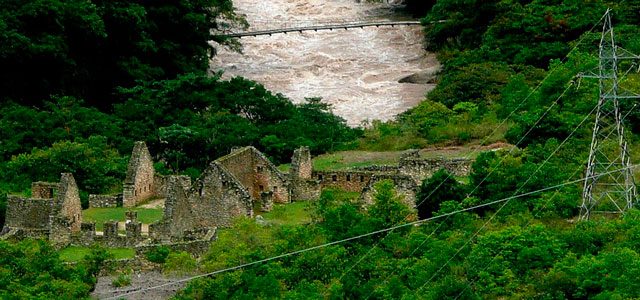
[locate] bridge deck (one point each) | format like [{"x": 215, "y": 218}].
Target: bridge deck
[{"x": 320, "y": 27}]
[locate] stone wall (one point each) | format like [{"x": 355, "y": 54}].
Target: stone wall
[
  {"x": 43, "y": 190},
  {"x": 256, "y": 173},
  {"x": 55, "y": 217},
  {"x": 420, "y": 169},
  {"x": 68, "y": 199},
  {"x": 217, "y": 198},
  {"x": 139, "y": 183},
  {"x": 349, "y": 181},
  {"x": 301, "y": 164},
  {"x": 98, "y": 201},
  {"x": 29, "y": 213},
  {"x": 404, "y": 185},
  {"x": 305, "y": 190},
  {"x": 378, "y": 169},
  {"x": 178, "y": 214}
]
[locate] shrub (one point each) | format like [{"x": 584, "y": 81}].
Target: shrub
[
  {"x": 158, "y": 254},
  {"x": 121, "y": 281},
  {"x": 179, "y": 263}
]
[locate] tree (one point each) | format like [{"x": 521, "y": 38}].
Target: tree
[{"x": 439, "y": 188}]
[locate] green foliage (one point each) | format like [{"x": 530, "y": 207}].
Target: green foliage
[
  {"x": 436, "y": 190},
  {"x": 121, "y": 281},
  {"x": 179, "y": 263},
  {"x": 97, "y": 259},
  {"x": 157, "y": 254},
  {"x": 88, "y": 48},
  {"x": 96, "y": 167},
  {"x": 32, "y": 270}
]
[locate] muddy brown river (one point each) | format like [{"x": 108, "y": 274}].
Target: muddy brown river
[{"x": 355, "y": 70}]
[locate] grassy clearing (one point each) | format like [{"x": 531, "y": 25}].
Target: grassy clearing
[
  {"x": 74, "y": 254},
  {"x": 100, "y": 215},
  {"x": 349, "y": 159},
  {"x": 289, "y": 214}
]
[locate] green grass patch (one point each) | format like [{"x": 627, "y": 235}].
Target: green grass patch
[
  {"x": 100, "y": 215},
  {"x": 349, "y": 159},
  {"x": 75, "y": 254},
  {"x": 289, "y": 214},
  {"x": 284, "y": 168}
]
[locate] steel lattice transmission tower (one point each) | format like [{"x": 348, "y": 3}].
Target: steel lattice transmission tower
[{"x": 609, "y": 185}]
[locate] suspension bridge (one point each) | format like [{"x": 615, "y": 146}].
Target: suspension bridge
[{"x": 335, "y": 26}]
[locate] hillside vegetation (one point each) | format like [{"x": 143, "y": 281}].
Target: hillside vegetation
[{"x": 509, "y": 75}]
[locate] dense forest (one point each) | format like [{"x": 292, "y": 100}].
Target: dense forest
[{"x": 83, "y": 80}]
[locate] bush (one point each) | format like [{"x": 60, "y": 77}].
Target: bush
[
  {"x": 121, "y": 281},
  {"x": 158, "y": 254},
  {"x": 179, "y": 262}
]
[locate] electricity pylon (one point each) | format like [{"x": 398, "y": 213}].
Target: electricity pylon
[{"x": 609, "y": 186}]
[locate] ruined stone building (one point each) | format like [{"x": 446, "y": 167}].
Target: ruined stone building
[
  {"x": 235, "y": 185},
  {"x": 141, "y": 182},
  {"x": 256, "y": 173},
  {"x": 406, "y": 176},
  {"x": 53, "y": 211}
]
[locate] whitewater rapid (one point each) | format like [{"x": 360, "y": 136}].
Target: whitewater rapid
[{"x": 355, "y": 70}]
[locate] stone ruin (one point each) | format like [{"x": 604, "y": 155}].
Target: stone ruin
[
  {"x": 53, "y": 211},
  {"x": 141, "y": 182},
  {"x": 406, "y": 176},
  {"x": 234, "y": 185}
]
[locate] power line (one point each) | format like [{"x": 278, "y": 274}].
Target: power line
[
  {"x": 507, "y": 202},
  {"x": 414, "y": 223},
  {"x": 529, "y": 221},
  {"x": 500, "y": 125},
  {"x": 512, "y": 112}
]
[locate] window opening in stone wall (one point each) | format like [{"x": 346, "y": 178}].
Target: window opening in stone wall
[
  {"x": 260, "y": 168},
  {"x": 348, "y": 177},
  {"x": 334, "y": 177},
  {"x": 361, "y": 178},
  {"x": 275, "y": 188},
  {"x": 200, "y": 191},
  {"x": 319, "y": 177},
  {"x": 261, "y": 187}
]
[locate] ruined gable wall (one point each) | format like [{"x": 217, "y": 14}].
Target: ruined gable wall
[
  {"x": 270, "y": 178},
  {"x": 420, "y": 169},
  {"x": 138, "y": 185},
  {"x": 256, "y": 173},
  {"x": 404, "y": 185},
  {"x": 349, "y": 181},
  {"x": 68, "y": 199},
  {"x": 178, "y": 214},
  {"x": 218, "y": 197},
  {"x": 240, "y": 163}
]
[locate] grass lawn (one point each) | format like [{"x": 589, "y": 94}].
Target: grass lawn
[
  {"x": 288, "y": 214},
  {"x": 348, "y": 159},
  {"x": 100, "y": 215},
  {"x": 74, "y": 254}
]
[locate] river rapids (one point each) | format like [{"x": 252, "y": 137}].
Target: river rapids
[{"x": 357, "y": 71}]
